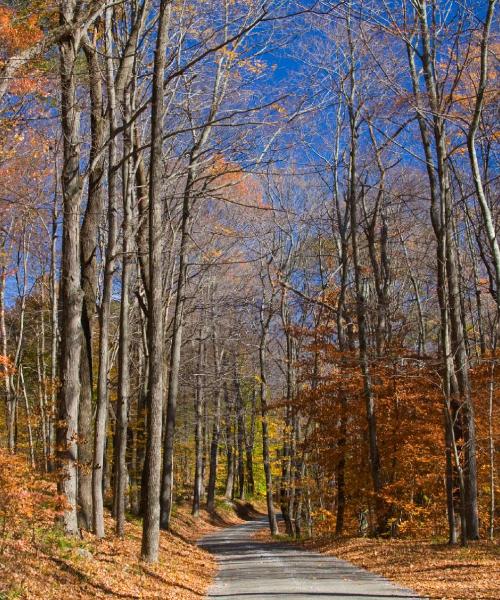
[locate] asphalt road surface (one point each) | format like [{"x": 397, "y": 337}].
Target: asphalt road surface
[{"x": 253, "y": 570}]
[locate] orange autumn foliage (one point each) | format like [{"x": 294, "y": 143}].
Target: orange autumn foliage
[
  {"x": 228, "y": 181},
  {"x": 409, "y": 408},
  {"x": 17, "y": 33},
  {"x": 21, "y": 29}
]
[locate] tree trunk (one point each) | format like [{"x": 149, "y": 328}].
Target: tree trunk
[
  {"x": 249, "y": 445},
  {"x": 105, "y": 308},
  {"x": 54, "y": 321},
  {"x": 437, "y": 219},
  {"x": 10, "y": 404},
  {"x": 363, "y": 348},
  {"x": 341, "y": 463},
  {"x": 374, "y": 455},
  {"x": 198, "y": 433},
  {"x": 458, "y": 345},
  {"x": 240, "y": 424},
  {"x": 214, "y": 444},
  {"x": 88, "y": 257},
  {"x": 264, "y": 322},
  {"x": 71, "y": 292},
  {"x": 229, "y": 444},
  {"x": 167, "y": 490},
  {"x": 124, "y": 342},
  {"x": 488, "y": 219},
  {"x": 151, "y": 520}
]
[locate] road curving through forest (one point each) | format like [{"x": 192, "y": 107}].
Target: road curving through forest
[{"x": 250, "y": 569}]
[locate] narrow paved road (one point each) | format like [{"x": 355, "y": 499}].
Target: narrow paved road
[{"x": 253, "y": 570}]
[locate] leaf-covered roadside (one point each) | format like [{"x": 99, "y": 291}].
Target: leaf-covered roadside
[
  {"x": 57, "y": 566},
  {"x": 435, "y": 570},
  {"x": 41, "y": 562}
]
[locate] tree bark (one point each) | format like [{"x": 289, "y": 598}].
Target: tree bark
[
  {"x": 488, "y": 220},
  {"x": 240, "y": 437},
  {"x": 249, "y": 445},
  {"x": 151, "y": 519},
  {"x": 229, "y": 404},
  {"x": 98, "y": 471},
  {"x": 264, "y": 326},
  {"x": 124, "y": 340},
  {"x": 88, "y": 257},
  {"x": 167, "y": 488},
  {"x": 214, "y": 444},
  {"x": 198, "y": 433},
  {"x": 71, "y": 292}
]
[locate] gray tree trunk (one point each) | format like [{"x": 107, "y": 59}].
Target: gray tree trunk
[
  {"x": 152, "y": 480},
  {"x": 214, "y": 444},
  {"x": 98, "y": 470},
  {"x": 124, "y": 340},
  {"x": 167, "y": 488},
  {"x": 198, "y": 433},
  {"x": 229, "y": 404},
  {"x": 88, "y": 256},
  {"x": 264, "y": 326},
  {"x": 71, "y": 292}
]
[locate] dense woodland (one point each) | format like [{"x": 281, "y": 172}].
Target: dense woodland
[{"x": 249, "y": 248}]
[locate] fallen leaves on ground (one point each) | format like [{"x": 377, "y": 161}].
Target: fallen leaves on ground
[
  {"x": 46, "y": 564},
  {"x": 434, "y": 570}
]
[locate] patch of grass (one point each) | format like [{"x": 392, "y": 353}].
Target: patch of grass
[
  {"x": 12, "y": 593},
  {"x": 284, "y": 537},
  {"x": 223, "y": 504},
  {"x": 54, "y": 541},
  {"x": 439, "y": 540},
  {"x": 133, "y": 518}
]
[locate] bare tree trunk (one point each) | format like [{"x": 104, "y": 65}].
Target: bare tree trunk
[
  {"x": 342, "y": 342},
  {"x": 229, "y": 404},
  {"x": 41, "y": 369},
  {"x": 488, "y": 220},
  {"x": 151, "y": 520},
  {"x": 88, "y": 257},
  {"x": 124, "y": 342},
  {"x": 214, "y": 444},
  {"x": 167, "y": 488},
  {"x": 138, "y": 447},
  {"x": 374, "y": 455},
  {"x": 363, "y": 344},
  {"x": 437, "y": 219},
  {"x": 198, "y": 434},
  {"x": 459, "y": 350},
  {"x": 54, "y": 321},
  {"x": 71, "y": 292},
  {"x": 264, "y": 325},
  {"x": 28, "y": 417},
  {"x": 249, "y": 446},
  {"x": 10, "y": 404},
  {"x": 240, "y": 437},
  {"x": 105, "y": 308}
]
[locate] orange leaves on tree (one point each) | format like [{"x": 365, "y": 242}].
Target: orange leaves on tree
[
  {"x": 19, "y": 30},
  {"x": 6, "y": 366},
  {"x": 17, "y": 33},
  {"x": 228, "y": 181}
]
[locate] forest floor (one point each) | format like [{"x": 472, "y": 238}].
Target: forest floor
[
  {"x": 434, "y": 570},
  {"x": 45, "y": 564}
]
